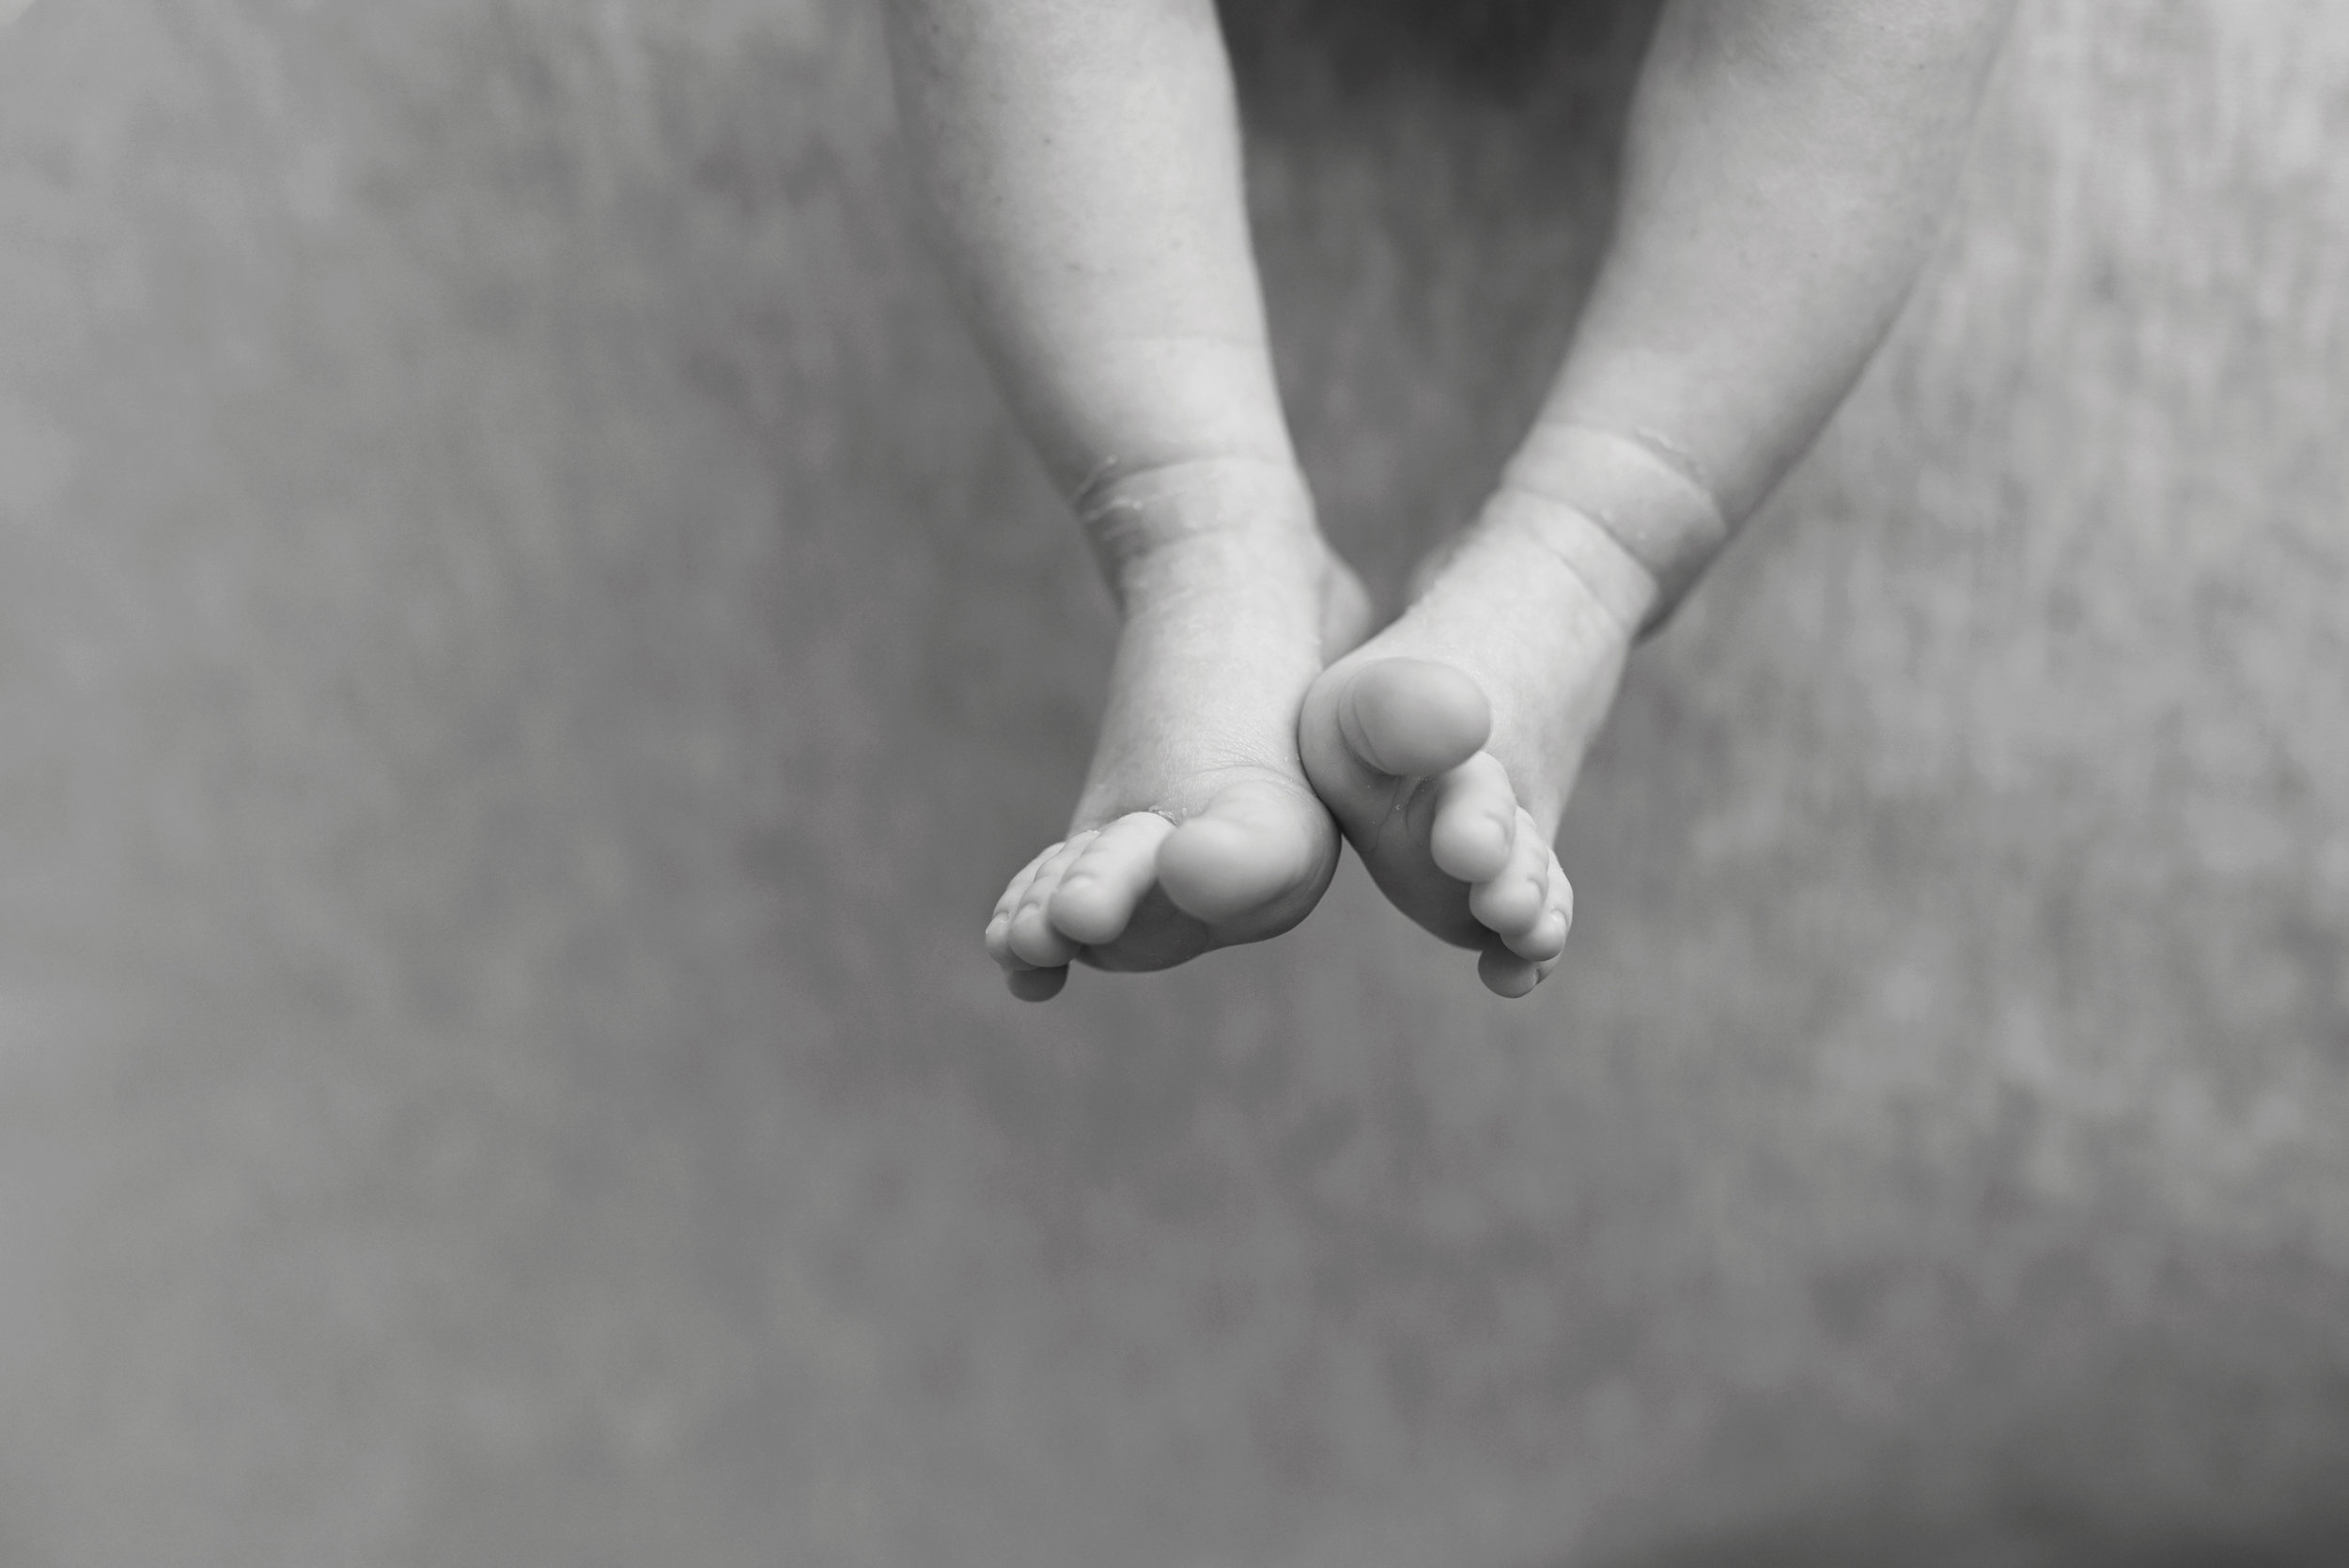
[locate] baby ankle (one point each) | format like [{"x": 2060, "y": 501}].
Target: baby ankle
[
  {"x": 1147, "y": 525},
  {"x": 1646, "y": 499},
  {"x": 1592, "y": 555}
]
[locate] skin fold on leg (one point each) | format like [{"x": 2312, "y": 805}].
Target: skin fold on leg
[
  {"x": 1786, "y": 164},
  {"x": 1089, "y": 213}
]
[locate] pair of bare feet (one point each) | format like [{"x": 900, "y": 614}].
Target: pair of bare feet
[{"x": 1250, "y": 724}]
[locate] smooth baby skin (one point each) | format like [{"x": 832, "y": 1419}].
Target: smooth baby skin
[
  {"x": 1448, "y": 745},
  {"x": 1081, "y": 161},
  {"x": 1196, "y": 827},
  {"x": 1785, "y": 166}
]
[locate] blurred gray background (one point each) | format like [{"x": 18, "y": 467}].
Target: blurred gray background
[{"x": 528, "y": 646}]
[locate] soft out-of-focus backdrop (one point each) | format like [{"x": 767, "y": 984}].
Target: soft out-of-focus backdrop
[{"x": 527, "y": 646}]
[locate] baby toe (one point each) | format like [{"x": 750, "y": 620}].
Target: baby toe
[
  {"x": 1475, "y": 826},
  {"x": 1015, "y": 892},
  {"x": 1032, "y": 938},
  {"x": 1509, "y": 904},
  {"x": 1412, "y": 717},
  {"x": 1097, "y": 895},
  {"x": 1546, "y": 938},
  {"x": 1506, "y": 974},
  {"x": 1543, "y": 940},
  {"x": 1036, "y": 985},
  {"x": 1257, "y": 842}
]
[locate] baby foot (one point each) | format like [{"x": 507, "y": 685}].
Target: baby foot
[
  {"x": 1196, "y": 827},
  {"x": 1447, "y": 745}
]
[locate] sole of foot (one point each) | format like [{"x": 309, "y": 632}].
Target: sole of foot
[
  {"x": 1196, "y": 827},
  {"x": 1447, "y": 745}
]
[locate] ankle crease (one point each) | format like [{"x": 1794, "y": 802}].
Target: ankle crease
[
  {"x": 1138, "y": 516},
  {"x": 1619, "y": 580},
  {"x": 1647, "y": 497}
]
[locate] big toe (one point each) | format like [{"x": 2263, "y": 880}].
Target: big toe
[
  {"x": 1412, "y": 717},
  {"x": 1260, "y": 845}
]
